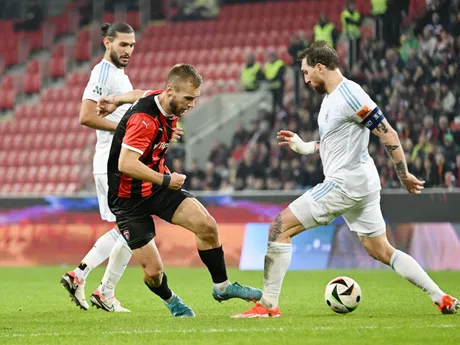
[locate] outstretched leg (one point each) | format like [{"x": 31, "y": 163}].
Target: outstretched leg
[{"x": 380, "y": 249}]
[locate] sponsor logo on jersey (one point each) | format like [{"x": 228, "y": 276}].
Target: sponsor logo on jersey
[{"x": 364, "y": 112}]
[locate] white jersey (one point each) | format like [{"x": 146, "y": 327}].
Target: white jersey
[
  {"x": 344, "y": 130},
  {"x": 106, "y": 80}
]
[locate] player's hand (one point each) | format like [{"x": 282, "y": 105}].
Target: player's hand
[
  {"x": 177, "y": 180},
  {"x": 412, "y": 184},
  {"x": 178, "y": 132},
  {"x": 105, "y": 106},
  {"x": 290, "y": 139},
  {"x": 285, "y": 137}
]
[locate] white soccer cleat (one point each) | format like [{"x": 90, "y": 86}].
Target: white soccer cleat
[
  {"x": 76, "y": 289},
  {"x": 108, "y": 304}
]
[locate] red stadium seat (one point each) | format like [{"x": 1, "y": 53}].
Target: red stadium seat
[
  {"x": 32, "y": 83},
  {"x": 58, "y": 67}
]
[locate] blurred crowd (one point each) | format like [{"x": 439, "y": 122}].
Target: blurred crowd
[{"x": 415, "y": 83}]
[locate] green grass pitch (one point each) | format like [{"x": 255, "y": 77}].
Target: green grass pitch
[{"x": 35, "y": 309}]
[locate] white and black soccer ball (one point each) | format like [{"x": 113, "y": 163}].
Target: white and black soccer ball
[{"x": 343, "y": 295}]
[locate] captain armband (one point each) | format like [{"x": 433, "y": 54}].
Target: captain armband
[{"x": 373, "y": 119}]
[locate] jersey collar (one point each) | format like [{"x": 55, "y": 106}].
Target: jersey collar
[{"x": 157, "y": 101}]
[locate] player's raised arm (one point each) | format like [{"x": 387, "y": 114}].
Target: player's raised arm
[
  {"x": 108, "y": 104},
  {"x": 296, "y": 144},
  {"x": 390, "y": 139},
  {"x": 88, "y": 117}
]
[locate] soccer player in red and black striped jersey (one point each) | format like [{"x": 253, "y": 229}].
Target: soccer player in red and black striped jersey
[{"x": 141, "y": 185}]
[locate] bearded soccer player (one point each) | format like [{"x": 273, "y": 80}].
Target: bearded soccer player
[
  {"x": 351, "y": 188},
  {"x": 107, "y": 78},
  {"x": 141, "y": 185}
]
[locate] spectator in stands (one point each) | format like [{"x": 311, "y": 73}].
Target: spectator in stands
[
  {"x": 351, "y": 26},
  {"x": 423, "y": 147},
  {"x": 196, "y": 10},
  {"x": 325, "y": 31},
  {"x": 212, "y": 179},
  {"x": 275, "y": 70},
  {"x": 252, "y": 74},
  {"x": 298, "y": 43},
  {"x": 456, "y": 170},
  {"x": 429, "y": 173},
  {"x": 451, "y": 149},
  {"x": 379, "y": 8},
  {"x": 86, "y": 13},
  {"x": 33, "y": 18},
  {"x": 392, "y": 22}
]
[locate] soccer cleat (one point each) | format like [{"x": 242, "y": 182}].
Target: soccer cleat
[
  {"x": 449, "y": 305},
  {"x": 258, "y": 311},
  {"x": 236, "y": 290},
  {"x": 108, "y": 304},
  {"x": 75, "y": 288},
  {"x": 179, "y": 308}
]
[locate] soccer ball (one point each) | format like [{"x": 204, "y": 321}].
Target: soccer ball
[{"x": 342, "y": 295}]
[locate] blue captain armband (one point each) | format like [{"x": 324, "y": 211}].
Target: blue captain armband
[{"x": 373, "y": 119}]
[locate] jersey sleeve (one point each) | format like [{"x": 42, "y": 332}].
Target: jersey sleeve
[
  {"x": 99, "y": 83},
  {"x": 140, "y": 130},
  {"x": 362, "y": 109}
]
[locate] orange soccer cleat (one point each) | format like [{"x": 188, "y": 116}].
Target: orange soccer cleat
[
  {"x": 449, "y": 305},
  {"x": 258, "y": 311}
]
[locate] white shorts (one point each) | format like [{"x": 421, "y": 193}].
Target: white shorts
[
  {"x": 102, "y": 190},
  {"x": 326, "y": 201}
]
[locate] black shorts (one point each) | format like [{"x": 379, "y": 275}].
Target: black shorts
[{"x": 134, "y": 216}]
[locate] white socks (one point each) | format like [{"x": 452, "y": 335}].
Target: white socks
[
  {"x": 98, "y": 254},
  {"x": 118, "y": 261},
  {"x": 221, "y": 287},
  {"x": 277, "y": 262},
  {"x": 406, "y": 266}
]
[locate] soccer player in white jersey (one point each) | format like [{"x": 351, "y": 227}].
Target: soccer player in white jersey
[
  {"x": 351, "y": 188},
  {"x": 107, "y": 78}
]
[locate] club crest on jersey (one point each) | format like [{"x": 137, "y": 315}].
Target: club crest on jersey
[
  {"x": 126, "y": 234},
  {"x": 326, "y": 118},
  {"x": 161, "y": 145}
]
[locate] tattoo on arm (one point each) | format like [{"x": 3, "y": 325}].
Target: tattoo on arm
[
  {"x": 401, "y": 169},
  {"x": 275, "y": 229},
  {"x": 390, "y": 149},
  {"x": 382, "y": 128}
]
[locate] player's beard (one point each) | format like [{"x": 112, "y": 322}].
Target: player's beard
[
  {"x": 116, "y": 61},
  {"x": 174, "y": 108},
  {"x": 320, "y": 87}
]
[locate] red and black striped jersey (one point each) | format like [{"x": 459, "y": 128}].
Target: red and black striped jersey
[{"x": 147, "y": 129}]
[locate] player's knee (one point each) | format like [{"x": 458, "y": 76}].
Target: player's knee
[
  {"x": 380, "y": 253},
  {"x": 153, "y": 275},
  {"x": 207, "y": 229}
]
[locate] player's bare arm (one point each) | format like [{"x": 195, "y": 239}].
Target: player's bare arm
[
  {"x": 296, "y": 144},
  {"x": 390, "y": 139},
  {"x": 129, "y": 164},
  {"x": 108, "y": 104},
  {"x": 89, "y": 117}
]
